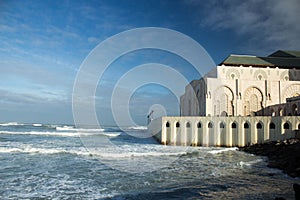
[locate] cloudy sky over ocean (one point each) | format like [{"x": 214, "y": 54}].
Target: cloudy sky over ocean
[{"x": 43, "y": 43}]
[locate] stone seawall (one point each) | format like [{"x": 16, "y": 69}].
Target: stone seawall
[{"x": 223, "y": 131}]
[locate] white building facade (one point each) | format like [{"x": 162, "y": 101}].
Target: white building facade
[{"x": 245, "y": 86}]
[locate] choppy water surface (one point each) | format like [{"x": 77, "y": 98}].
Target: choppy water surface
[{"x": 51, "y": 161}]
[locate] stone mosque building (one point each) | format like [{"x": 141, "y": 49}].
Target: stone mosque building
[
  {"x": 244, "y": 85},
  {"x": 244, "y": 100}
]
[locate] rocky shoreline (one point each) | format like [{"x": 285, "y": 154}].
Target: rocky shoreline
[{"x": 284, "y": 155}]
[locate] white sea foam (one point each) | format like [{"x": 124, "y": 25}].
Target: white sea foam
[
  {"x": 135, "y": 154},
  {"x": 72, "y": 128},
  {"x": 137, "y": 128},
  {"x": 250, "y": 163},
  {"x": 223, "y": 150},
  {"x": 37, "y": 125},
  {"x": 36, "y": 150},
  {"x": 63, "y": 134},
  {"x": 11, "y": 124},
  {"x": 82, "y": 151}
]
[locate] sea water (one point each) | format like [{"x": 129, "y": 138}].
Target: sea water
[{"x": 44, "y": 161}]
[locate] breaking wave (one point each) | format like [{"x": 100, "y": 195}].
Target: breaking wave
[
  {"x": 223, "y": 150},
  {"x": 63, "y": 134}
]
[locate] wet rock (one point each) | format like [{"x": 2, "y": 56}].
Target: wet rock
[
  {"x": 297, "y": 191},
  {"x": 284, "y": 155}
]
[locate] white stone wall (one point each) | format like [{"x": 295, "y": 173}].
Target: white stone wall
[
  {"x": 223, "y": 131},
  {"x": 240, "y": 91}
]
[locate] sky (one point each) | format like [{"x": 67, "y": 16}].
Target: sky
[{"x": 44, "y": 43}]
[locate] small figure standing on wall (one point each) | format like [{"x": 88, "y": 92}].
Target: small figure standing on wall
[{"x": 149, "y": 116}]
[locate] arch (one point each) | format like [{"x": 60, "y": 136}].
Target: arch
[
  {"x": 169, "y": 135},
  {"x": 284, "y": 76},
  {"x": 294, "y": 110},
  {"x": 259, "y": 125},
  {"x": 247, "y": 133},
  {"x": 290, "y": 91},
  {"x": 272, "y": 125},
  {"x": 286, "y": 125},
  {"x": 246, "y": 125},
  {"x": 222, "y": 134},
  {"x": 280, "y": 112},
  {"x": 260, "y": 74},
  {"x": 234, "y": 134},
  {"x": 210, "y": 134},
  {"x": 272, "y": 112},
  {"x": 232, "y": 74},
  {"x": 186, "y": 136},
  {"x": 287, "y": 129},
  {"x": 188, "y": 125},
  {"x": 260, "y": 132},
  {"x": 224, "y": 114},
  {"x": 223, "y": 101},
  {"x": 199, "y": 125},
  {"x": 233, "y": 125},
  {"x": 177, "y": 124},
  {"x": 272, "y": 131},
  {"x": 253, "y": 99},
  {"x": 200, "y": 136},
  {"x": 167, "y": 124},
  {"x": 222, "y": 125}
]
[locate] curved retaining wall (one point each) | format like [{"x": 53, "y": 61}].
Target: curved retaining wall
[{"x": 223, "y": 131}]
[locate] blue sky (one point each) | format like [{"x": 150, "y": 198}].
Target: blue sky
[{"x": 43, "y": 43}]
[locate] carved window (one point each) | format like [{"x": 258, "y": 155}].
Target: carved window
[
  {"x": 259, "y": 125},
  {"x": 286, "y": 125},
  {"x": 167, "y": 124},
  {"x": 272, "y": 125},
  {"x": 233, "y": 125},
  {"x": 188, "y": 125},
  {"x": 199, "y": 125},
  {"x": 222, "y": 125}
]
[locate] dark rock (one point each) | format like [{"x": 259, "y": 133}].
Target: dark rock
[
  {"x": 284, "y": 155},
  {"x": 297, "y": 191},
  {"x": 279, "y": 198}
]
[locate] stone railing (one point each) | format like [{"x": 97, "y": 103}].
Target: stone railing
[{"x": 223, "y": 131}]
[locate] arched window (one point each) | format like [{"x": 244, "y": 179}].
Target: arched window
[
  {"x": 286, "y": 125},
  {"x": 272, "y": 112},
  {"x": 167, "y": 124},
  {"x": 280, "y": 112},
  {"x": 272, "y": 125},
  {"x": 246, "y": 125},
  {"x": 294, "y": 109},
  {"x": 224, "y": 114},
  {"x": 188, "y": 125},
  {"x": 177, "y": 125},
  {"x": 222, "y": 125},
  {"x": 233, "y": 125},
  {"x": 258, "y": 125},
  {"x": 199, "y": 125},
  {"x": 210, "y": 125}
]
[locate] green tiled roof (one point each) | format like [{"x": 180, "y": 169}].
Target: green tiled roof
[
  {"x": 282, "y": 53},
  {"x": 244, "y": 60},
  {"x": 282, "y": 59}
]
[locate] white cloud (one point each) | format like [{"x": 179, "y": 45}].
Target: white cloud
[{"x": 267, "y": 25}]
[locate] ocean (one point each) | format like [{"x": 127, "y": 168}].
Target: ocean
[{"x": 47, "y": 161}]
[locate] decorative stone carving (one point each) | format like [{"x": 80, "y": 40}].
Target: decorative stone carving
[{"x": 252, "y": 100}]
